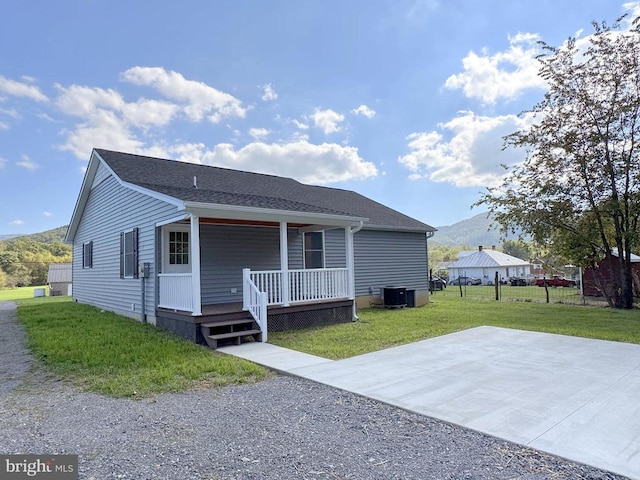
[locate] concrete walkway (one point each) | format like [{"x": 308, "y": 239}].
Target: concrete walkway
[{"x": 573, "y": 397}]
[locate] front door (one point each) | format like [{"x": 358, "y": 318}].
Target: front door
[{"x": 176, "y": 249}]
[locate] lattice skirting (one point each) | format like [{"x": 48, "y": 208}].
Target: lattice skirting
[{"x": 310, "y": 316}]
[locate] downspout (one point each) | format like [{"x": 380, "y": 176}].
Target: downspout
[
  {"x": 143, "y": 315},
  {"x": 352, "y": 232}
]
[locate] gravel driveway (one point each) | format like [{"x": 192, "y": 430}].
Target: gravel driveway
[{"x": 281, "y": 428}]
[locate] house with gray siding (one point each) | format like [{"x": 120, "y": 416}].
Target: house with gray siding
[{"x": 219, "y": 255}]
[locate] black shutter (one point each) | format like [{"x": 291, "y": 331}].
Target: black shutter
[
  {"x": 91, "y": 254},
  {"x": 121, "y": 254},
  {"x": 83, "y": 259},
  {"x": 135, "y": 253}
]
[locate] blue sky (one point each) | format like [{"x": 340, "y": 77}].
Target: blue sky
[{"x": 404, "y": 101}]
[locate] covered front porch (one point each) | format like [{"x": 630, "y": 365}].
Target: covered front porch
[{"x": 210, "y": 269}]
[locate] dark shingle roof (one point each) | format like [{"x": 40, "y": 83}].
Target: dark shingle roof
[{"x": 234, "y": 187}]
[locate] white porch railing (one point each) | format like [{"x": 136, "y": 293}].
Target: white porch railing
[
  {"x": 318, "y": 284},
  {"x": 176, "y": 291},
  {"x": 255, "y": 302},
  {"x": 304, "y": 285}
]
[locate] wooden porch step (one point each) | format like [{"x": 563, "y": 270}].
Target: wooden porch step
[
  {"x": 227, "y": 323},
  {"x": 240, "y": 333},
  {"x": 230, "y": 331}
]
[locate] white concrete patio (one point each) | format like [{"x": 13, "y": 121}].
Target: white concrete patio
[{"x": 572, "y": 397}]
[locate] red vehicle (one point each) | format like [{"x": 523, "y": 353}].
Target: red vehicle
[{"x": 555, "y": 281}]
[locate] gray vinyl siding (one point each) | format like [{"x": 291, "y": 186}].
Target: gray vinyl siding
[
  {"x": 111, "y": 209},
  {"x": 102, "y": 173},
  {"x": 335, "y": 248},
  {"x": 390, "y": 258},
  {"x": 225, "y": 250}
]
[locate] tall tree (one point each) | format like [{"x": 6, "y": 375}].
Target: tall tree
[{"x": 578, "y": 189}]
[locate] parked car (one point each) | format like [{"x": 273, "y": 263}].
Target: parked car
[
  {"x": 555, "y": 281},
  {"x": 518, "y": 282},
  {"x": 437, "y": 283},
  {"x": 466, "y": 281}
]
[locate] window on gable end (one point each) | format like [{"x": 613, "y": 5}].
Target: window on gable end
[{"x": 87, "y": 255}]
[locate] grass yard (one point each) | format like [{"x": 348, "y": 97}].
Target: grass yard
[
  {"x": 18, "y": 293},
  {"x": 120, "y": 357},
  {"x": 380, "y": 328}
]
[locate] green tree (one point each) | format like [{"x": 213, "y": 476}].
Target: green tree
[
  {"x": 578, "y": 189},
  {"x": 25, "y": 261},
  {"x": 518, "y": 248}
]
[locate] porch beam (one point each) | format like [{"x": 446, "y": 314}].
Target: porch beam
[
  {"x": 315, "y": 228},
  {"x": 195, "y": 265},
  {"x": 284, "y": 264}
]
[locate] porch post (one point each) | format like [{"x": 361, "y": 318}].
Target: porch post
[
  {"x": 195, "y": 265},
  {"x": 284, "y": 264},
  {"x": 351, "y": 288}
]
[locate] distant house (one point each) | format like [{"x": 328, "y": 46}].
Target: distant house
[
  {"x": 484, "y": 264},
  {"x": 597, "y": 279},
  {"x": 59, "y": 279},
  {"x": 215, "y": 254}
]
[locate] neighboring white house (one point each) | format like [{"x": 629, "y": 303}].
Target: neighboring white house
[{"x": 484, "y": 264}]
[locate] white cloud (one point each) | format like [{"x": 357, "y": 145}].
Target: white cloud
[
  {"x": 300, "y": 125},
  {"x": 503, "y": 75},
  {"x": 27, "y": 163},
  {"x": 16, "y": 222},
  {"x": 107, "y": 120},
  {"x": 364, "y": 110},
  {"x": 10, "y": 112},
  {"x": 104, "y": 129},
  {"x": 471, "y": 157},
  {"x": 3, "y": 162},
  {"x": 307, "y": 162},
  {"x": 17, "y": 89},
  {"x": 85, "y": 102},
  {"x": 4, "y": 126},
  {"x": 258, "y": 133},
  {"x": 269, "y": 93},
  {"x": 47, "y": 214},
  {"x": 200, "y": 100},
  {"x": 146, "y": 112},
  {"x": 327, "y": 120},
  {"x": 633, "y": 8}
]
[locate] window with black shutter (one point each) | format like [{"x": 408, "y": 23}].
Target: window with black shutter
[{"x": 129, "y": 254}]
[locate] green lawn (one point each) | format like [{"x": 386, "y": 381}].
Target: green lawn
[
  {"x": 120, "y": 357},
  {"x": 18, "y": 293},
  {"x": 380, "y": 328}
]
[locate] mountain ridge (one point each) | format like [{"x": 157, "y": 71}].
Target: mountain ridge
[{"x": 480, "y": 229}]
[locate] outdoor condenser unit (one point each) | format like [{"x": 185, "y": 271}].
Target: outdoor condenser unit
[{"x": 395, "y": 297}]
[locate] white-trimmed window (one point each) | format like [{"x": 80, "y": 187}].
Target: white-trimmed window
[
  {"x": 129, "y": 254},
  {"x": 178, "y": 248},
  {"x": 87, "y": 255},
  {"x": 314, "y": 250}
]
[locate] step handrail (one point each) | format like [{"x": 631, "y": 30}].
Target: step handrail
[{"x": 255, "y": 302}]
